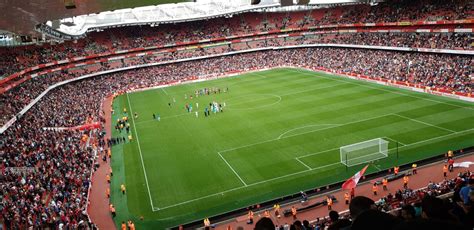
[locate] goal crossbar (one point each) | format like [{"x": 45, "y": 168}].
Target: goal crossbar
[{"x": 363, "y": 152}]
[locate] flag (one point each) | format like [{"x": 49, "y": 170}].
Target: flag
[{"x": 352, "y": 182}]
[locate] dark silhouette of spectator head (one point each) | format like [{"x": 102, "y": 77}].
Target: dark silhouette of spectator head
[
  {"x": 340, "y": 224},
  {"x": 306, "y": 224},
  {"x": 334, "y": 216},
  {"x": 360, "y": 204},
  {"x": 370, "y": 219},
  {"x": 296, "y": 225},
  {"x": 471, "y": 181},
  {"x": 408, "y": 212},
  {"x": 264, "y": 224},
  {"x": 431, "y": 224},
  {"x": 434, "y": 208}
]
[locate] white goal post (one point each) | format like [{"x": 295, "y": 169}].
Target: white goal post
[{"x": 364, "y": 152}]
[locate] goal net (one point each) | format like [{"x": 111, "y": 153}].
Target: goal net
[{"x": 364, "y": 152}]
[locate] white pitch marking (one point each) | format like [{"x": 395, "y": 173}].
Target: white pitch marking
[
  {"x": 173, "y": 116},
  {"x": 276, "y": 178},
  {"x": 241, "y": 187},
  {"x": 245, "y": 184},
  {"x": 263, "y": 76},
  {"x": 140, "y": 151},
  {"x": 317, "y": 153},
  {"x": 377, "y": 167},
  {"x": 296, "y": 173},
  {"x": 298, "y": 134},
  {"x": 391, "y": 139},
  {"x": 344, "y": 79},
  {"x": 258, "y": 107},
  {"x": 317, "y": 88},
  {"x": 303, "y": 163},
  {"x": 302, "y": 127},
  {"x": 287, "y": 94},
  {"x": 404, "y": 146},
  {"x": 425, "y": 123}
]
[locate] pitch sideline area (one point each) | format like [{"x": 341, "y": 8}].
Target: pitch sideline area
[{"x": 306, "y": 144}]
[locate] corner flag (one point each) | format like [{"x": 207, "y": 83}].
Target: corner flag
[{"x": 352, "y": 182}]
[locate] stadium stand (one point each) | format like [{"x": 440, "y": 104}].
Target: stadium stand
[
  {"x": 451, "y": 72},
  {"x": 51, "y": 188},
  {"x": 141, "y": 36},
  {"x": 421, "y": 208},
  {"x": 60, "y": 109}
]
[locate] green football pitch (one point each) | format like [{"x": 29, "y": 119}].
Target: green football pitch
[{"x": 280, "y": 132}]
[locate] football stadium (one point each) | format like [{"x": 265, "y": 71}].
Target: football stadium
[{"x": 245, "y": 114}]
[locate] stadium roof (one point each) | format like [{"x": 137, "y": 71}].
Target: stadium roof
[{"x": 21, "y": 17}]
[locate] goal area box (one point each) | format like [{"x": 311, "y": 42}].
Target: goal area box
[{"x": 363, "y": 152}]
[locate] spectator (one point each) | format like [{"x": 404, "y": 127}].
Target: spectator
[
  {"x": 408, "y": 212},
  {"x": 370, "y": 219},
  {"x": 360, "y": 204},
  {"x": 465, "y": 192},
  {"x": 337, "y": 223},
  {"x": 435, "y": 208},
  {"x": 264, "y": 224}
]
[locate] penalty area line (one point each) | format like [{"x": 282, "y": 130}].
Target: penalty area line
[
  {"x": 249, "y": 185},
  {"x": 297, "y": 173},
  {"x": 375, "y": 166},
  {"x": 425, "y": 123},
  {"x": 303, "y": 133},
  {"x": 391, "y": 139},
  {"x": 305, "y": 165},
  {"x": 306, "y": 126},
  {"x": 243, "y": 182}
]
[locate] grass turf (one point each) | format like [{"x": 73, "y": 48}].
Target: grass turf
[{"x": 280, "y": 133}]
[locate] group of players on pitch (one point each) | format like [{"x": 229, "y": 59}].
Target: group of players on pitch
[
  {"x": 123, "y": 125},
  {"x": 214, "y": 107}
]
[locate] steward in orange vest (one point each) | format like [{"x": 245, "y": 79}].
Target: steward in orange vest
[
  {"x": 405, "y": 181},
  {"x": 445, "y": 170},
  {"x": 385, "y": 183},
  {"x": 293, "y": 212},
  {"x": 250, "y": 217},
  {"x": 329, "y": 201},
  {"x": 413, "y": 169}
]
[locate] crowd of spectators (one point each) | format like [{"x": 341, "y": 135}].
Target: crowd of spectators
[
  {"x": 15, "y": 59},
  {"x": 451, "y": 72},
  {"x": 462, "y": 41},
  {"x": 53, "y": 192},
  {"x": 15, "y": 99},
  {"x": 420, "y": 209},
  {"x": 45, "y": 173}
]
